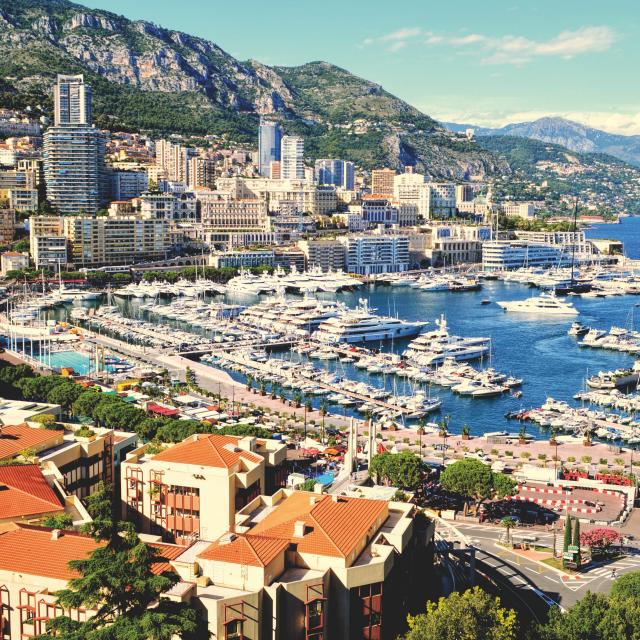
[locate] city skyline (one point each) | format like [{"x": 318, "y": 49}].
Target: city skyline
[{"x": 489, "y": 65}]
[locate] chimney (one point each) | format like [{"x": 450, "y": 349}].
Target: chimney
[
  {"x": 56, "y": 534},
  {"x": 248, "y": 443},
  {"x": 312, "y": 500},
  {"x": 298, "y": 529}
]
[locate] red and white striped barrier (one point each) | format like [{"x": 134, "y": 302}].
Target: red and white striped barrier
[{"x": 553, "y": 490}]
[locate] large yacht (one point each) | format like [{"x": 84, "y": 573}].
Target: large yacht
[
  {"x": 362, "y": 325},
  {"x": 546, "y": 303},
  {"x": 432, "y": 347}
]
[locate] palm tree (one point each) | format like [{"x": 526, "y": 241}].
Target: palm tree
[
  {"x": 249, "y": 382},
  {"x": 507, "y": 522},
  {"x": 297, "y": 399},
  {"x": 420, "y": 431},
  {"x": 262, "y": 388}
]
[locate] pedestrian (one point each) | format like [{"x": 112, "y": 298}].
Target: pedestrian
[{"x": 614, "y": 574}]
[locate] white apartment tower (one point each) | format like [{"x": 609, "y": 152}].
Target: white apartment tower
[
  {"x": 292, "y": 158},
  {"x": 72, "y": 101}
]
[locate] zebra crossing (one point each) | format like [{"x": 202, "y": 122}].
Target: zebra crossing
[{"x": 624, "y": 565}]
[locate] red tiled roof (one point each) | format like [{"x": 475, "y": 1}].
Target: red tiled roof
[
  {"x": 160, "y": 410},
  {"x": 18, "y": 437},
  {"x": 25, "y": 492},
  {"x": 29, "y": 549},
  {"x": 256, "y": 551},
  {"x": 332, "y": 528},
  {"x": 207, "y": 450}
]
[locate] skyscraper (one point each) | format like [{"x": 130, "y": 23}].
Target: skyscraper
[
  {"x": 292, "y": 158},
  {"x": 339, "y": 173},
  {"x": 269, "y": 145},
  {"x": 74, "y": 151},
  {"x": 72, "y": 101}
]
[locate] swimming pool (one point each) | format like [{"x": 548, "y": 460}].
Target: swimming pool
[
  {"x": 80, "y": 362},
  {"x": 325, "y": 479}
]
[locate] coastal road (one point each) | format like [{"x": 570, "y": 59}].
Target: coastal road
[{"x": 531, "y": 582}]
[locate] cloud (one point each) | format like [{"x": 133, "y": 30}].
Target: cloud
[
  {"x": 395, "y": 40},
  {"x": 623, "y": 123},
  {"x": 519, "y": 50}
]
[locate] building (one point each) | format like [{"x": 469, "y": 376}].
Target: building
[
  {"x": 407, "y": 187},
  {"x": 34, "y": 566},
  {"x": 173, "y": 160},
  {"x": 24, "y": 199},
  {"x": 176, "y": 207},
  {"x": 339, "y": 173},
  {"x": 378, "y": 210},
  {"x": 302, "y": 565},
  {"x": 328, "y": 255},
  {"x": 202, "y": 173},
  {"x": 115, "y": 240},
  {"x": 74, "y": 151},
  {"x": 499, "y": 255},
  {"x": 439, "y": 200},
  {"x": 448, "y": 244},
  {"x": 525, "y": 210},
  {"x": 274, "y": 170},
  {"x": 13, "y": 261},
  {"x": 464, "y": 193},
  {"x": 49, "y": 252},
  {"x": 376, "y": 253},
  {"x": 292, "y": 158},
  {"x": 193, "y": 489},
  {"x": 243, "y": 259},
  {"x": 126, "y": 185},
  {"x": 7, "y": 226},
  {"x": 72, "y": 101},
  {"x": 269, "y": 146},
  {"x": 382, "y": 182}
]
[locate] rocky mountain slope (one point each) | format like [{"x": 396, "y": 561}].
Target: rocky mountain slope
[
  {"x": 567, "y": 133},
  {"x": 152, "y": 78}
]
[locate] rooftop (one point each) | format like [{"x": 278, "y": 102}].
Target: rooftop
[
  {"x": 25, "y": 492},
  {"x": 208, "y": 450},
  {"x": 255, "y": 551},
  {"x": 333, "y": 526},
  {"x": 17, "y": 438}
]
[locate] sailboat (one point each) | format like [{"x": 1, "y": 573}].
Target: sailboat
[{"x": 574, "y": 286}]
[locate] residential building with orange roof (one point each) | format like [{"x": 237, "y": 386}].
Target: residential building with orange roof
[
  {"x": 303, "y": 566},
  {"x": 192, "y": 490},
  {"x": 34, "y": 565}
]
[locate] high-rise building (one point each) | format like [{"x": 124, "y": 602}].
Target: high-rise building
[
  {"x": 202, "y": 173},
  {"x": 74, "y": 151},
  {"x": 340, "y": 173},
  {"x": 292, "y": 158},
  {"x": 173, "y": 160},
  {"x": 382, "y": 182},
  {"x": 269, "y": 146},
  {"x": 72, "y": 101}
]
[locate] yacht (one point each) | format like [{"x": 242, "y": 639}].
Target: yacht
[
  {"x": 544, "y": 304},
  {"x": 362, "y": 325},
  {"x": 578, "y": 329},
  {"x": 432, "y": 347}
]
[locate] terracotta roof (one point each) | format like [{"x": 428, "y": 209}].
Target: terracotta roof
[
  {"x": 16, "y": 438},
  {"x": 208, "y": 450},
  {"x": 25, "y": 492},
  {"x": 332, "y": 527},
  {"x": 256, "y": 551},
  {"x": 29, "y": 549}
]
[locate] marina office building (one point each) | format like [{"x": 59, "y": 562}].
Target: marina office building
[{"x": 499, "y": 255}]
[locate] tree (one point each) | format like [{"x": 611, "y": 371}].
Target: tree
[
  {"x": 508, "y": 523},
  {"x": 474, "y": 480},
  {"x": 627, "y": 586},
  {"x": 472, "y": 615},
  {"x": 86, "y": 403},
  {"x": 599, "y": 539},
  {"x": 65, "y": 395},
  {"x": 58, "y": 521},
  {"x": 402, "y": 470},
  {"x": 576, "y": 542},
  {"x": 567, "y": 536},
  {"x": 581, "y": 622}
]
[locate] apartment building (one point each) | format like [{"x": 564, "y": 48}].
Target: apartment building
[
  {"x": 339, "y": 173},
  {"x": 379, "y": 210},
  {"x": 202, "y": 173},
  {"x": 173, "y": 160},
  {"x": 292, "y": 158},
  {"x": 240, "y": 259},
  {"x": 382, "y": 182},
  {"x": 47, "y": 243},
  {"x": 7, "y": 226},
  {"x": 126, "y": 185},
  {"x": 115, "y": 240},
  {"x": 269, "y": 146},
  {"x": 177, "y": 207},
  {"x": 525, "y": 210},
  {"x": 193, "y": 489},
  {"x": 328, "y": 255},
  {"x": 13, "y": 260},
  {"x": 376, "y": 253},
  {"x": 303, "y": 566},
  {"x": 443, "y": 245}
]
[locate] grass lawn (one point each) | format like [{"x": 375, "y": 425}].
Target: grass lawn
[{"x": 556, "y": 563}]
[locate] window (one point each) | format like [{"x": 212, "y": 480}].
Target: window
[
  {"x": 315, "y": 616},
  {"x": 233, "y": 630}
]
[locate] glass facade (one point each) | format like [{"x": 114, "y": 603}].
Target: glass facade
[{"x": 269, "y": 146}]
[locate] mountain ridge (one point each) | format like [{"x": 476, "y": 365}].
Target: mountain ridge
[
  {"x": 573, "y": 135},
  {"x": 153, "y": 78}
]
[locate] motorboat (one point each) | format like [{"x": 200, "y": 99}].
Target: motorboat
[{"x": 544, "y": 304}]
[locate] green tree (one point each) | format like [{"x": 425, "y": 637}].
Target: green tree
[
  {"x": 474, "y": 480},
  {"x": 472, "y": 615},
  {"x": 627, "y": 586},
  {"x": 567, "y": 534},
  {"x": 86, "y": 403},
  {"x": 576, "y": 541},
  {"x": 58, "y": 521},
  {"x": 65, "y": 394},
  {"x": 402, "y": 470}
]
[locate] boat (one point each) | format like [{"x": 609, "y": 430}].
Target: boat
[
  {"x": 485, "y": 301},
  {"x": 362, "y": 325},
  {"x": 544, "y": 304},
  {"x": 578, "y": 329}
]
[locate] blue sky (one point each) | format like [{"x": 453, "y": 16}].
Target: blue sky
[{"x": 481, "y": 61}]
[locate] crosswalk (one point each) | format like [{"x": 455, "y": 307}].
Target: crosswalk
[{"x": 624, "y": 565}]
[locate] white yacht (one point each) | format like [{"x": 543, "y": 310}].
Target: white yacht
[
  {"x": 362, "y": 325},
  {"x": 544, "y": 304}
]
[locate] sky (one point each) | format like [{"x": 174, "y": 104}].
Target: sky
[{"x": 484, "y": 62}]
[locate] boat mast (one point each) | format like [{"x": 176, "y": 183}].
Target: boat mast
[{"x": 573, "y": 244}]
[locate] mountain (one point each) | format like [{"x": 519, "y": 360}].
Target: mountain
[
  {"x": 147, "y": 77},
  {"x": 572, "y": 135}
]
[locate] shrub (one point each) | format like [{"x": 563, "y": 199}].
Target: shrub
[
  {"x": 47, "y": 420},
  {"x": 603, "y": 461},
  {"x": 526, "y": 455},
  {"x": 85, "y": 432},
  {"x": 586, "y": 459},
  {"x": 508, "y": 453},
  {"x": 571, "y": 459},
  {"x": 542, "y": 456}
]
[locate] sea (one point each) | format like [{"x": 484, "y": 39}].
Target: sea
[{"x": 534, "y": 348}]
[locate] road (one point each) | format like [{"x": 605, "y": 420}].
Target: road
[{"x": 532, "y": 585}]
